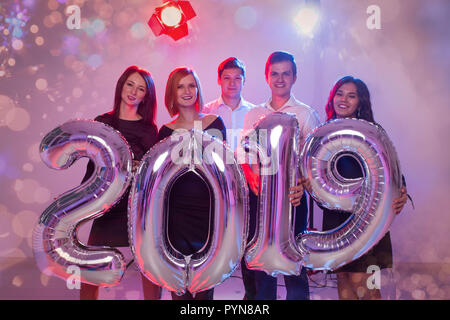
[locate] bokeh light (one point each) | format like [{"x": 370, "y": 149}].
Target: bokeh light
[
  {"x": 17, "y": 44},
  {"x": 34, "y": 29},
  {"x": 17, "y": 281},
  {"x": 53, "y": 4},
  {"x": 95, "y": 60},
  {"x": 27, "y": 167},
  {"x": 30, "y": 191},
  {"x": 71, "y": 44},
  {"x": 39, "y": 41},
  {"x": 77, "y": 92},
  {"x": 9, "y": 241},
  {"x": 138, "y": 30},
  {"x": 24, "y": 222},
  {"x": 307, "y": 20},
  {"x": 33, "y": 153},
  {"x": 6, "y": 104},
  {"x": 246, "y": 17},
  {"x": 18, "y": 119},
  {"x": 41, "y": 84}
]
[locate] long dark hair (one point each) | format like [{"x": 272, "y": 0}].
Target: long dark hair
[
  {"x": 147, "y": 107},
  {"x": 365, "y": 106}
]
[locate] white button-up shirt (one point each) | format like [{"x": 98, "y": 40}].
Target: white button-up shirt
[
  {"x": 233, "y": 119},
  {"x": 307, "y": 117}
]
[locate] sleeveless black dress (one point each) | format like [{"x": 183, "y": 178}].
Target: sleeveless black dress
[
  {"x": 381, "y": 254},
  {"x": 111, "y": 229},
  {"x": 190, "y": 202}
]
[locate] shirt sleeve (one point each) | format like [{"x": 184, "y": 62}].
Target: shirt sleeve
[
  {"x": 311, "y": 122},
  {"x": 207, "y": 108}
]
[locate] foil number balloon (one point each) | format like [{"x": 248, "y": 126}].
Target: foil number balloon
[
  {"x": 55, "y": 244},
  {"x": 160, "y": 167},
  {"x": 275, "y": 248},
  {"x": 369, "y": 198},
  {"x": 274, "y": 139}
]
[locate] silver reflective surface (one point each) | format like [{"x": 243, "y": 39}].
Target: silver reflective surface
[
  {"x": 158, "y": 260},
  {"x": 273, "y": 249},
  {"x": 369, "y": 198},
  {"x": 55, "y": 243}
]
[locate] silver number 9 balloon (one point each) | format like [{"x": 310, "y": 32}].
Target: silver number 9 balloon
[
  {"x": 369, "y": 198},
  {"x": 55, "y": 243},
  {"x": 158, "y": 260},
  {"x": 275, "y": 140}
]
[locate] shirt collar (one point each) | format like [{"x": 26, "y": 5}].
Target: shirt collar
[
  {"x": 220, "y": 102},
  {"x": 290, "y": 102}
]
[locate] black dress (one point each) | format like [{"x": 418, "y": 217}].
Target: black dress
[
  {"x": 111, "y": 229},
  {"x": 381, "y": 254},
  {"x": 189, "y": 203},
  {"x": 189, "y": 208}
]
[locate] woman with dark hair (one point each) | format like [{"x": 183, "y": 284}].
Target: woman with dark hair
[
  {"x": 350, "y": 98},
  {"x": 133, "y": 115},
  {"x": 189, "y": 209}
]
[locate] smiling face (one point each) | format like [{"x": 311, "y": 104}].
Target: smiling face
[
  {"x": 281, "y": 78},
  {"x": 187, "y": 92},
  {"x": 134, "y": 90},
  {"x": 346, "y": 101},
  {"x": 231, "y": 82}
]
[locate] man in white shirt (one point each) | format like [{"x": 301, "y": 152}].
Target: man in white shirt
[
  {"x": 281, "y": 74},
  {"x": 231, "y": 106}
]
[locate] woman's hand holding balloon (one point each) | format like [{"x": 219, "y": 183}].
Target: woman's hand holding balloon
[
  {"x": 399, "y": 203},
  {"x": 296, "y": 193}
]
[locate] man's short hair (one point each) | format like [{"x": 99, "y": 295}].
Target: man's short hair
[
  {"x": 279, "y": 56},
  {"x": 231, "y": 63}
]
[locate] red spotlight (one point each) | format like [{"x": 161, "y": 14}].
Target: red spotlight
[{"x": 171, "y": 18}]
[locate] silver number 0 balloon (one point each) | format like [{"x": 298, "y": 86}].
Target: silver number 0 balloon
[
  {"x": 158, "y": 260},
  {"x": 55, "y": 243}
]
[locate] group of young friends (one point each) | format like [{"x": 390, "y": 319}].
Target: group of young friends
[{"x": 188, "y": 219}]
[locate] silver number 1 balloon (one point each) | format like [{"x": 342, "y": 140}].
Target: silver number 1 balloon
[{"x": 273, "y": 249}]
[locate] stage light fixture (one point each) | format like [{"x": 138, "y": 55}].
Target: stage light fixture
[
  {"x": 308, "y": 17},
  {"x": 171, "y": 19}
]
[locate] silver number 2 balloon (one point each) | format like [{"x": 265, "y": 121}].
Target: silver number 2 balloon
[
  {"x": 55, "y": 244},
  {"x": 158, "y": 260}
]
